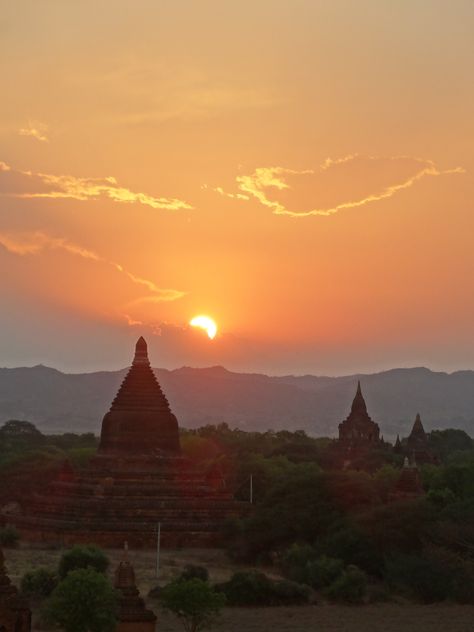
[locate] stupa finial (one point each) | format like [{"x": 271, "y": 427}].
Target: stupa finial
[
  {"x": 125, "y": 552},
  {"x": 141, "y": 352}
]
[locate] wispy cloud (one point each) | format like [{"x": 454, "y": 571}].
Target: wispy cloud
[
  {"x": 27, "y": 244},
  {"x": 46, "y": 185},
  {"x": 263, "y": 180},
  {"x": 35, "y": 129}
]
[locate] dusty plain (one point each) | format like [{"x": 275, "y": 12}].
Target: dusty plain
[{"x": 322, "y": 617}]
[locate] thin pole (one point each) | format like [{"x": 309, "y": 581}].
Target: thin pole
[
  {"x": 158, "y": 543},
  {"x": 251, "y": 489}
]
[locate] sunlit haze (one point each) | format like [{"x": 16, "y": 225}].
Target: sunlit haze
[{"x": 299, "y": 169}]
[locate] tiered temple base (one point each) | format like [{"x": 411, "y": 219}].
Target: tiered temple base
[{"x": 124, "y": 498}]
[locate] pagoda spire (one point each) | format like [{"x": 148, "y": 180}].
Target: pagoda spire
[
  {"x": 141, "y": 353},
  {"x": 358, "y": 404}
]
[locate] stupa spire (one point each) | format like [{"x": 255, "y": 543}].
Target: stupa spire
[
  {"x": 358, "y": 404},
  {"x": 141, "y": 353}
]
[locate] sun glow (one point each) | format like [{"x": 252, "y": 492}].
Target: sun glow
[{"x": 206, "y": 323}]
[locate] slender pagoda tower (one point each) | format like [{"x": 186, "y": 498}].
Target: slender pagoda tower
[
  {"x": 358, "y": 435},
  {"x": 137, "y": 480},
  {"x": 417, "y": 446},
  {"x": 358, "y": 430}
]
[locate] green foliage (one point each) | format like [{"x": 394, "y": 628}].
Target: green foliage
[
  {"x": 302, "y": 564},
  {"x": 418, "y": 577},
  {"x": 385, "y": 479},
  {"x": 323, "y": 571},
  {"x": 17, "y": 435},
  {"x": 192, "y": 571},
  {"x": 29, "y": 460},
  {"x": 9, "y": 536},
  {"x": 289, "y": 593},
  {"x": 349, "y": 587},
  {"x": 353, "y": 546},
  {"x": 80, "y": 457},
  {"x": 437, "y": 575},
  {"x": 256, "y": 589},
  {"x": 194, "y": 602},
  {"x": 295, "y": 561},
  {"x": 70, "y": 441},
  {"x": 447, "y": 442},
  {"x": 295, "y": 508},
  {"x": 398, "y": 527},
  {"x": 441, "y": 497},
  {"x": 39, "y": 583},
  {"x": 87, "y": 556},
  {"x": 351, "y": 490},
  {"x": 84, "y": 601}
]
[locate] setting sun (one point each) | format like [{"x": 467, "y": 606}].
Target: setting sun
[{"x": 206, "y": 323}]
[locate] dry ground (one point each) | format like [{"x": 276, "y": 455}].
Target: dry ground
[{"x": 323, "y": 617}]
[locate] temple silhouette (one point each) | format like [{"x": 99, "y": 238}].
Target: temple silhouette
[
  {"x": 359, "y": 435},
  {"x": 137, "y": 479},
  {"x": 358, "y": 430}
]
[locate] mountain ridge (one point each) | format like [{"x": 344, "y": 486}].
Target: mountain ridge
[{"x": 59, "y": 402}]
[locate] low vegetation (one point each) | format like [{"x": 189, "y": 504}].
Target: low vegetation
[
  {"x": 194, "y": 602},
  {"x": 334, "y": 533}
]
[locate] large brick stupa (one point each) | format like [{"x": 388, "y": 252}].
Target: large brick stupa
[{"x": 137, "y": 479}]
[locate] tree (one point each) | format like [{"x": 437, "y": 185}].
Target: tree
[
  {"x": 89, "y": 556},
  {"x": 39, "y": 583},
  {"x": 84, "y": 601},
  {"x": 15, "y": 434},
  {"x": 194, "y": 602}
]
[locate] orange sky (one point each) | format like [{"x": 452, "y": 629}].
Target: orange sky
[{"x": 300, "y": 170}]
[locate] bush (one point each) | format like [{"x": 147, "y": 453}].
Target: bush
[
  {"x": 290, "y": 593},
  {"x": 193, "y": 601},
  {"x": 248, "y": 589},
  {"x": 295, "y": 562},
  {"x": 353, "y": 547},
  {"x": 440, "y": 574},
  {"x": 192, "y": 571},
  {"x": 84, "y": 601},
  {"x": 83, "y": 557},
  {"x": 256, "y": 589},
  {"x": 9, "y": 536},
  {"x": 349, "y": 587},
  {"x": 323, "y": 571},
  {"x": 302, "y": 564},
  {"x": 39, "y": 583},
  {"x": 418, "y": 577}
]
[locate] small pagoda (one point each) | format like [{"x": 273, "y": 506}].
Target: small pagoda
[
  {"x": 133, "y": 615},
  {"x": 408, "y": 485},
  {"x": 137, "y": 480},
  {"x": 15, "y": 616},
  {"x": 417, "y": 446}
]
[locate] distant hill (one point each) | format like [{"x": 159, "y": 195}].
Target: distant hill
[{"x": 59, "y": 402}]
